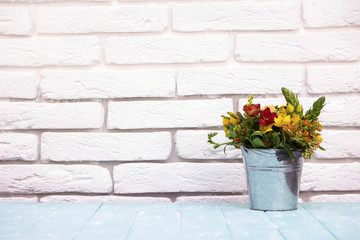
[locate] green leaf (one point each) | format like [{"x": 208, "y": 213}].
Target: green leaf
[
  {"x": 232, "y": 115},
  {"x": 314, "y": 112},
  {"x": 288, "y": 150},
  {"x": 232, "y": 134},
  {"x": 321, "y": 148},
  {"x": 240, "y": 116},
  {"x": 256, "y": 134},
  {"x": 289, "y": 96},
  {"x": 258, "y": 143},
  {"x": 276, "y": 140},
  {"x": 212, "y": 134}
]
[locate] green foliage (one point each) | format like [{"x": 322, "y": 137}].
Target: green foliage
[
  {"x": 290, "y": 96},
  {"x": 292, "y": 99},
  {"x": 258, "y": 143},
  {"x": 273, "y": 138},
  {"x": 314, "y": 112}
]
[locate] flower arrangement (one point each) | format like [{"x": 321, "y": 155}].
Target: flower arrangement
[{"x": 275, "y": 127}]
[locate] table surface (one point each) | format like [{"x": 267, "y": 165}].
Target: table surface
[{"x": 176, "y": 221}]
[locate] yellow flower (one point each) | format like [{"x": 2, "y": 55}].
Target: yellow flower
[
  {"x": 226, "y": 121},
  {"x": 298, "y": 108},
  {"x": 282, "y": 120},
  {"x": 234, "y": 120},
  {"x": 250, "y": 100},
  {"x": 264, "y": 129},
  {"x": 295, "y": 118},
  {"x": 290, "y": 108}
]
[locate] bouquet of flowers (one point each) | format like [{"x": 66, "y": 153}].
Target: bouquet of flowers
[{"x": 284, "y": 126}]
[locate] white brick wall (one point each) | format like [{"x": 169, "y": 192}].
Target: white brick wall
[
  {"x": 167, "y": 49},
  {"x": 242, "y": 15},
  {"x": 18, "y": 146},
  {"x": 331, "y": 177},
  {"x": 101, "y": 98},
  {"x": 60, "y": 84},
  {"x": 64, "y": 51},
  {"x": 54, "y": 179},
  {"x": 178, "y": 177},
  {"x": 338, "y": 78},
  {"x": 167, "y": 114},
  {"x": 15, "y": 21},
  {"x": 263, "y": 80},
  {"x": 105, "y": 146},
  {"x": 331, "y": 13},
  {"x": 29, "y": 115},
  {"x": 193, "y": 145},
  {"x": 18, "y": 85},
  {"x": 299, "y": 47},
  {"x": 132, "y": 18}
]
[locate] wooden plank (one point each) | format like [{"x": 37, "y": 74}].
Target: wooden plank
[
  {"x": 158, "y": 221},
  {"x": 63, "y": 221},
  {"x": 203, "y": 221},
  {"x": 245, "y": 223},
  {"x": 111, "y": 221},
  {"x": 342, "y": 219},
  {"x": 15, "y": 218},
  {"x": 299, "y": 225}
]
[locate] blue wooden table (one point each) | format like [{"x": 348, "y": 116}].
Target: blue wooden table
[{"x": 176, "y": 221}]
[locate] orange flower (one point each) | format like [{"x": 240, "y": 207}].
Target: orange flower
[{"x": 252, "y": 109}]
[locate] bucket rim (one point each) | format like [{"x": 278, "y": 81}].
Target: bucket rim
[{"x": 273, "y": 151}]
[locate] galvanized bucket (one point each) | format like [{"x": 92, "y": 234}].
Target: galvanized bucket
[{"x": 273, "y": 180}]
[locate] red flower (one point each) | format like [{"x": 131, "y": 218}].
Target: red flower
[
  {"x": 252, "y": 109},
  {"x": 267, "y": 117}
]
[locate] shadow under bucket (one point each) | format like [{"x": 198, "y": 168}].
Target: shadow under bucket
[{"x": 273, "y": 180}]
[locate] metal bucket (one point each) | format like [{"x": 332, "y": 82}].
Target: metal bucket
[{"x": 273, "y": 180}]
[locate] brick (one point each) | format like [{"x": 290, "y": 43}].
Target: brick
[
  {"x": 167, "y": 49},
  {"x": 340, "y": 144},
  {"x": 18, "y": 85},
  {"x": 37, "y": 52},
  {"x": 331, "y": 13},
  {"x": 336, "y": 198},
  {"x": 301, "y": 47},
  {"x": 330, "y": 177},
  {"x": 179, "y": 177},
  {"x": 15, "y": 21},
  {"x": 192, "y": 144},
  {"x": 167, "y": 114},
  {"x": 333, "y": 79},
  {"x": 213, "y": 199},
  {"x": 60, "y": 84},
  {"x": 101, "y": 19},
  {"x": 29, "y": 115},
  {"x": 238, "y": 80},
  {"x": 29, "y": 179},
  {"x": 18, "y": 199},
  {"x": 103, "y": 198},
  {"x": 105, "y": 146},
  {"x": 18, "y": 146},
  {"x": 333, "y": 114},
  {"x": 336, "y": 112},
  {"x": 278, "y": 15}
]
